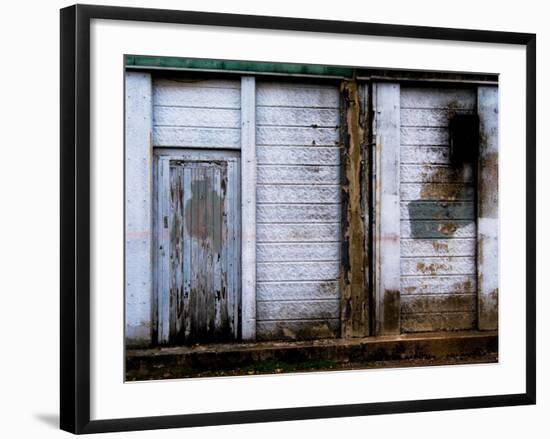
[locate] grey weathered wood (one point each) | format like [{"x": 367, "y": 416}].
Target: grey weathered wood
[
  {"x": 387, "y": 234},
  {"x": 430, "y": 210},
  {"x": 488, "y": 271},
  {"x": 298, "y": 232},
  {"x": 298, "y": 310},
  {"x": 297, "y": 213},
  {"x": 436, "y": 174},
  {"x": 291, "y": 194},
  {"x": 298, "y": 329},
  {"x": 411, "y": 136},
  {"x": 189, "y": 137},
  {"x": 437, "y": 247},
  {"x": 138, "y": 205},
  {"x": 162, "y": 251},
  {"x": 296, "y": 95},
  {"x": 438, "y": 229},
  {"x": 299, "y": 290},
  {"x": 200, "y": 94},
  {"x": 248, "y": 208},
  {"x": 429, "y": 155},
  {"x": 275, "y": 252},
  {"x": 438, "y": 284},
  {"x": 437, "y": 266},
  {"x": 298, "y": 206},
  {"x": 305, "y": 117},
  {"x": 284, "y": 155},
  {"x": 443, "y": 98},
  {"x": 438, "y": 303},
  {"x": 196, "y": 117},
  {"x": 427, "y": 322},
  {"x": 298, "y": 174},
  {"x": 299, "y": 136},
  {"x": 428, "y": 117},
  {"x": 197, "y": 250},
  {"x": 291, "y": 271}
]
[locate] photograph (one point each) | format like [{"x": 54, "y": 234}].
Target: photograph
[{"x": 298, "y": 218}]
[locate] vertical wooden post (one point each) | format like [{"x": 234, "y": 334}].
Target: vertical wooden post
[
  {"x": 248, "y": 207},
  {"x": 354, "y": 316},
  {"x": 387, "y": 209},
  {"x": 487, "y": 208},
  {"x": 138, "y": 207}
]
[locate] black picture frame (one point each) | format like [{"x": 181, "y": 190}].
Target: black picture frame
[{"x": 75, "y": 217}]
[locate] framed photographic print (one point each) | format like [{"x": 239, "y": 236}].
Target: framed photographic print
[{"x": 268, "y": 218}]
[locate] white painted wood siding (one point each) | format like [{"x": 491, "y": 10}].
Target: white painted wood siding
[
  {"x": 197, "y": 113},
  {"x": 438, "y": 223},
  {"x": 298, "y": 210},
  {"x": 138, "y": 196}
]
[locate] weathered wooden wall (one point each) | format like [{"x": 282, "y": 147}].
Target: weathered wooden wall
[
  {"x": 298, "y": 210},
  {"x": 197, "y": 113},
  {"x": 438, "y": 215}
]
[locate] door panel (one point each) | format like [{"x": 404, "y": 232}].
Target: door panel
[{"x": 198, "y": 241}]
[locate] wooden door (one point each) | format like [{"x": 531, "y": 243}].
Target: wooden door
[{"x": 197, "y": 246}]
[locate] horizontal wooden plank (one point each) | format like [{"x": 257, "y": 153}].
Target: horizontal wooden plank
[
  {"x": 304, "y": 117},
  {"x": 436, "y": 174},
  {"x": 298, "y": 194},
  {"x": 438, "y": 284},
  {"x": 434, "y": 210},
  {"x": 196, "y": 117},
  {"x": 437, "y": 191},
  {"x": 437, "y": 266},
  {"x": 172, "y": 93},
  {"x": 444, "y": 98},
  {"x": 297, "y": 232},
  {"x": 297, "y": 330},
  {"x": 435, "y": 303},
  {"x": 266, "y": 291},
  {"x": 296, "y": 136},
  {"x": 425, "y": 155},
  {"x": 424, "y": 136},
  {"x": 298, "y": 155},
  {"x": 298, "y": 174},
  {"x": 429, "y": 117},
  {"x": 325, "y": 251},
  {"x": 295, "y": 213},
  {"x": 278, "y": 95},
  {"x": 291, "y": 271},
  {"x": 298, "y": 310},
  {"x": 438, "y": 229},
  {"x": 197, "y": 137},
  {"x": 438, "y": 247},
  {"x": 452, "y": 321}
]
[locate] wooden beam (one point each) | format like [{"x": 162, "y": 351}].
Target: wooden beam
[
  {"x": 487, "y": 206},
  {"x": 138, "y": 209},
  {"x": 248, "y": 207},
  {"x": 354, "y": 316},
  {"x": 387, "y": 275}
]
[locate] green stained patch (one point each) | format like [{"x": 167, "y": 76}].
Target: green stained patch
[{"x": 235, "y": 66}]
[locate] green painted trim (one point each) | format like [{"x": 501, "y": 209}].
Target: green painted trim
[{"x": 236, "y": 66}]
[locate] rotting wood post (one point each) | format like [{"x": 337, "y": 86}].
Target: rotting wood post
[{"x": 354, "y": 310}]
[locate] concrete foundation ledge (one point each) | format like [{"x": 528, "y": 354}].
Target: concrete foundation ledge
[{"x": 421, "y": 349}]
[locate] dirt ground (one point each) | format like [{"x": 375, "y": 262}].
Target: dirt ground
[{"x": 278, "y": 367}]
